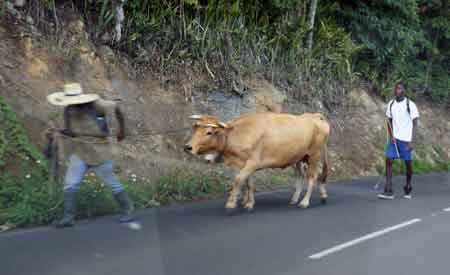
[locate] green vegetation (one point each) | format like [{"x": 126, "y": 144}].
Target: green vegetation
[
  {"x": 25, "y": 194},
  {"x": 401, "y": 39},
  {"x": 379, "y": 41},
  {"x": 422, "y": 165},
  {"x": 34, "y": 199}
]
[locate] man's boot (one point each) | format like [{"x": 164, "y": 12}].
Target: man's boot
[
  {"x": 126, "y": 206},
  {"x": 69, "y": 210}
]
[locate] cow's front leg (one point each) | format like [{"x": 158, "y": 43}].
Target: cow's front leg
[
  {"x": 311, "y": 172},
  {"x": 245, "y": 196},
  {"x": 298, "y": 191},
  {"x": 323, "y": 193},
  {"x": 250, "y": 203},
  {"x": 306, "y": 199},
  {"x": 236, "y": 188}
]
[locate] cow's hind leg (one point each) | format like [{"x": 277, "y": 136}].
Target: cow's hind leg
[
  {"x": 323, "y": 177},
  {"x": 247, "y": 192},
  {"x": 251, "y": 188},
  {"x": 236, "y": 188},
  {"x": 245, "y": 196},
  {"x": 323, "y": 193},
  {"x": 299, "y": 170},
  {"x": 312, "y": 173}
]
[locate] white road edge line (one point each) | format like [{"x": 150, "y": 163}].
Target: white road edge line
[
  {"x": 362, "y": 239},
  {"x": 446, "y": 209}
]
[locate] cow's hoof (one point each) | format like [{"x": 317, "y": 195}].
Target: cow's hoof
[
  {"x": 293, "y": 202},
  {"x": 323, "y": 200},
  {"x": 303, "y": 205},
  {"x": 248, "y": 207}
]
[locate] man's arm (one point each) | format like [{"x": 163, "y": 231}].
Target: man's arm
[
  {"x": 415, "y": 122},
  {"x": 389, "y": 122},
  {"x": 391, "y": 135},
  {"x": 413, "y": 134},
  {"x": 67, "y": 131},
  {"x": 121, "y": 120},
  {"x": 414, "y": 130}
]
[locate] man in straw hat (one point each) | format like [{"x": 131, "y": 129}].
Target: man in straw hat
[
  {"x": 88, "y": 145},
  {"x": 402, "y": 117}
]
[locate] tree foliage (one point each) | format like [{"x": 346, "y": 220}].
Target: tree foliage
[
  {"x": 381, "y": 41},
  {"x": 401, "y": 39}
]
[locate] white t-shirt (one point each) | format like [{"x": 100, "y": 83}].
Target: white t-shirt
[{"x": 402, "y": 121}]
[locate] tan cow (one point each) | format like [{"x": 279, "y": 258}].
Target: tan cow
[{"x": 258, "y": 141}]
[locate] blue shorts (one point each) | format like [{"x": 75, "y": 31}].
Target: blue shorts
[{"x": 404, "y": 152}]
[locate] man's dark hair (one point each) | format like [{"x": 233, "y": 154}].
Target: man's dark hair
[{"x": 400, "y": 82}]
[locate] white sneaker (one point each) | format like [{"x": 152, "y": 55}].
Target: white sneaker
[{"x": 386, "y": 196}]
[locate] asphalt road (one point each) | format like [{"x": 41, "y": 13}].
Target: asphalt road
[{"x": 355, "y": 233}]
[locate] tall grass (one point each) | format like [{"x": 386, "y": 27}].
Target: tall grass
[{"x": 243, "y": 38}]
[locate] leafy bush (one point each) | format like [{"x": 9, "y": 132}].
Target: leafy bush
[
  {"x": 26, "y": 196},
  {"x": 28, "y": 200},
  {"x": 405, "y": 39}
]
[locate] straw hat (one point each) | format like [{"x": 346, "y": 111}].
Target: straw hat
[{"x": 72, "y": 95}]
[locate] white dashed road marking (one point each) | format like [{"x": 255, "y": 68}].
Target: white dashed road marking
[{"x": 363, "y": 239}]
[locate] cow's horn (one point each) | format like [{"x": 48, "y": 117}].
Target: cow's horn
[
  {"x": 223, "y": 125},
  {"x": 211, "y": 125},
  {"x": 195, "y": 117}
]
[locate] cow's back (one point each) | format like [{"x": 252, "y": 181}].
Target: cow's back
[
  {"x": 277, "y": 139},
  {"x": 321, "y": 122}
]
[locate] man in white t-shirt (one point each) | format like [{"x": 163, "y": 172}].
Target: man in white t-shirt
[{"x": 402, "y": 116}]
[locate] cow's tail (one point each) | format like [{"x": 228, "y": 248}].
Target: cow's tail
[{"x": 326, "y": 165}]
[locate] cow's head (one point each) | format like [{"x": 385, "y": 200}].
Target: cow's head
[{"x": 208, "y": 136}]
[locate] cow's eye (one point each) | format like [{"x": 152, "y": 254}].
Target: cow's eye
[{"x": 209, "y": 133}]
